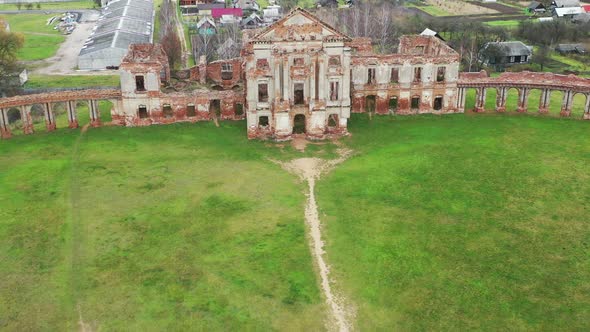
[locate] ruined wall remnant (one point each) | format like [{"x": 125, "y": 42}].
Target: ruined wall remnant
[{"x": 299, "y": 76}]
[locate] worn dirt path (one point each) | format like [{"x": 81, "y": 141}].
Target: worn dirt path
[{"x": 310, "y": 170}]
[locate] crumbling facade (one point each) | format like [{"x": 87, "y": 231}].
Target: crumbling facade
[{"x": 299, "y": 76}]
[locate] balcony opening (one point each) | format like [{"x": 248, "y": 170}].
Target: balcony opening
[{"x": 298, "y": 94}]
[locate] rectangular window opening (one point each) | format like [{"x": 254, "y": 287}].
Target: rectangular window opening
[
  {"x": 298, "y": 94},
  {"x": 394, "y": 75},
  {"x": 393, "y": 104},
  {"x": 263, "y": 121},
  {"x": 438, "y": 103},
  {"x": 415, "y": 103},
  {"x": 440, "y": 74},
  {"x": 143, "y": 114},
  {"x": 263, "y": 92},
  {"x": 227, "y": 71},
  {"x": 190, "y": 110},
  {"x": 372, "y": 72},
  {"x": 334, "y": 88},
  {"x": 139, "y": 83},
  {"x": 167, "y": 110},
  {"x": 417, "y": 74}
]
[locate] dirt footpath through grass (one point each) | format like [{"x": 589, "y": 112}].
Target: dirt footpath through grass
[{"x": 310, "y": 170}]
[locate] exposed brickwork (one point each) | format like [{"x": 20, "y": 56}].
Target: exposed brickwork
[{"x": 299, "y": 76}]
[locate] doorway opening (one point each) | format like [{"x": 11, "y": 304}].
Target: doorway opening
[
  {"x": 215, "y": 107},
  {"x": 299, "y": 124}
]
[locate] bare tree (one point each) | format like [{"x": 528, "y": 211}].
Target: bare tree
[{"x": 171, "y": 44}]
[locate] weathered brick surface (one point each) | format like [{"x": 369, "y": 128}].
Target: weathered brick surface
[{"x": 299, "y": 52}]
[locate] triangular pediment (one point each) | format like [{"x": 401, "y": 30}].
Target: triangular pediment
[{"x": 299, "y": 25}]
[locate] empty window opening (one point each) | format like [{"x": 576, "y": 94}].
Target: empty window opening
[
  {"x": 239, "y": 109},
  {"x": 298, "y": 62},
  {"x": 370, "y": 102},
  {"x": 333, "y": 120},
  {"x": 517, "y": 59},
  {"x": 394, "y": 75},
  {"x": 263, "y": 92},
  {"x": 417, "y": 74},
  {"x": 299, "y": 124},
  {"x": 263, "y": 121},
  {"x": 190, "y": 110},
  {"x": 215, "y": 107},
  {"x": 227, "y": 71},
  {"x": 440, "y": 74},
  {"x": 163, "y": 75},
  {"x": 372, "y": 76},
  {"x": 139, "y": 83},
  {"x": 415, "y": 103},
  {"x": 334, "y": 61},
  {"x": 438, "y": 103},
  {"x": 143, "y": 113},
  {"x": 419, "y": 50},
  {"x": 393, "y": 104},
  {"x": 167, "y": 110},
  {"x": 262, "y": 64},
  {"x": 334, "y": 88},
  {"x": 298, "y": 94}
]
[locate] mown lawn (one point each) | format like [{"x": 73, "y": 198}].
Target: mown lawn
[
  {"x": 41, "y": 41},
  {"x": 462, "y": 222},
  {"x": 179, "y": 227}
]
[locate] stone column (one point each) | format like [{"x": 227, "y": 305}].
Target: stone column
[
  {"x": 544, "y": 101},
  {"x": 49, "y": 118},
  {"x": 566, "y": 104},
  {"x": 523, "y": 95},
  {"x": 286, "y": 79},
  {"x": 587, "y": 108},
  {"x": 94, "y": 113},
  {"x": 277, "y": 78},
  {"x": 311, "y": 78},
  {"x": 322, "y": 80},
  {"x": 501, "y": 99},
  {"x": 460, "y": 100},
  {"x": 27, "y": 120},
  {"x": 72, "y": 116},
  {"x": 4, "y": 128},
  {"x": 480, "y": 100}
]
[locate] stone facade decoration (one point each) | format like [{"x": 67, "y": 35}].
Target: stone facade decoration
[{"x": 299, "y": 76}]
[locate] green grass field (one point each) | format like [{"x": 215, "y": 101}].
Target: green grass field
[
  {"x": 506, "y": 24},
  {"x": 41, "y": 41},
  {"x": 71, "y": 81},
  {"x": 462, "y": 222},
  {"x": 53, "y": 5},
  {"x": 456, "y": 222},
  {"x": 164, "y": 228}
]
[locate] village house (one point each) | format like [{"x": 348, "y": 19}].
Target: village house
[{"x": 500, "y": 54}]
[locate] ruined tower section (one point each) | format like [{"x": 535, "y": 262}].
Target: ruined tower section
[
  {"x": 142, "y": 72},
  {"x": 421, "y": 78},
  {"x": 298, "y": 79}
]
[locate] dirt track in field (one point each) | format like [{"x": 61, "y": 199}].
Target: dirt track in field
[{"x": 310, "y": 170}]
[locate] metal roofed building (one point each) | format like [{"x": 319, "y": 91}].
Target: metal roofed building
[{"x": 122, "y": 22}]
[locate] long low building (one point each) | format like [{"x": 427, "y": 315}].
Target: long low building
[{"x": 122, "y": 23}]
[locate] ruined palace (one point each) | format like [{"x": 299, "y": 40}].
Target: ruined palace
[{"x": 299, "y": 76}]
